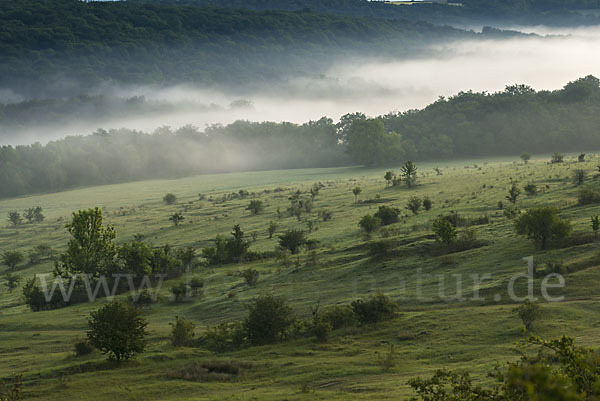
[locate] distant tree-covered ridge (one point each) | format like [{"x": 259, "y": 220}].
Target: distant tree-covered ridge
[
  {"x": 469, "y": 124},
  {"x": 58, "y": 44}
]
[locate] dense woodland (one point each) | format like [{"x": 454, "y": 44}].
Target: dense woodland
[
  {"x": 469, "y": 124},
  {"x": 553, "y": 12},
  {"x": 49, "y": 47}
]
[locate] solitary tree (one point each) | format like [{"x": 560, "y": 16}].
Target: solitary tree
[
  {"x": 15, "y": 217},
  {"x": 356, "y": 191},
  {"x": 176, "y": 218},
  {"x": 12, "y": 258},
  {"x": 182, "y": 332},
  {"x": 170, "y": 199},
  {"x": 414, "y": 204},
  {"x": 444, "y": 231},
  {"x": 525, "y": 156},
  {"x": 409, "y": 173},
  {"x": 118, "y": 329},
  {"x": 581, "y": 158},
  {"x": 292, "y": 240},
  {"x": 255, "y": 206},
  {"x": 543, "y": 225}
]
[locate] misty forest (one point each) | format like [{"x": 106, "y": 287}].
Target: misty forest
[{"x": 300, "y": 200}]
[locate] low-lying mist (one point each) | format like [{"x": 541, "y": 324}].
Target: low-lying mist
[{"x": 371, "y": 86}]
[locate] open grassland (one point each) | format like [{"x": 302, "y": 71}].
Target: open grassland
[{"x": 430, "y": 332}]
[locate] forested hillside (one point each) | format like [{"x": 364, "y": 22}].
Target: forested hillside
[
  {"x": 472, "y": 12},
  {"x": 469, "y": 124},
  {"x": 57, "y": 44}
]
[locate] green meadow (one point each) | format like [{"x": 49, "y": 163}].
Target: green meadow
[{"x": 434, "y": 329}]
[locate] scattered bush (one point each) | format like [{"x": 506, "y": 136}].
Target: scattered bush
[
  {"x": 374, "y": 309},
  {"x": 387, "y": 215},
  {"x": 83, "y": 347},
  {"x": 369, "y": 223},
  {"x": 427, "y": 203},
  {"x": 250, "y": 276},
  {"x": 268, "y": 321},
  {"x": 182, "y": 332},
  {"x": 531, "y": 189},
  {"x": 339, "y": 317},
  {"x": 170, "y": 199},
  {"x": 588, "y": 196},
  {"x": 528, "y": 312},
  {"x": 255, "y": 207},
  {"x": 292, "y": 240},
  {"x": 414, "y": 204},
  {"x": 445, "y": 232},
  {"x": 579, "y": 176}
]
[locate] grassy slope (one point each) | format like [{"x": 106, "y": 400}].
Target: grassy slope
[{"x": 428, "y": 335}]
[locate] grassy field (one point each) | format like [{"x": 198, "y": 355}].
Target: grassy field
[{"x": 433, "y": 330}]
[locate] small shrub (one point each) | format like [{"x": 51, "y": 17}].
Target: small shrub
[
  {"x": 369, "y": 223},
  {"x": 182, "y": 332},
  {"x": 531, "y": 189},
  {"x": 528, "y": 312},
  {"x": 374, "y": 309},
  {"x": 321, "y": 329},
  {"x": 170, "y": 199},
  {"x": 588, "y": 196},
  {"x": 250, "y": 277},
  {"x": 339, "y": 317},
  {"x": 414, "y": 204},
  {"x": 387, "y": 215},
  {"x": 83, "y": 347},
  {"x": 427, "y": 203},
  {"x": 444, "y": 231},
  {"x": 579, "y": 176}
]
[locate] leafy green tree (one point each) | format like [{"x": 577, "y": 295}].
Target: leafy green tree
[
  {"x": 269, "y": 320},
  {"x": 12, "y": 258},
  {"x": 374, "y": 309},
  {"x": 292, "y": 240},
  {"x": 369, "y": 223},
  {"x": 118, "y": 329},
  {"x": 15, "y": 218},
  {"x": 409, "y": 173},
  {"x": 170, "y": 199},
  {"x": 255, "y": 207},
  {"x": 182, "y": 332},
  {"x": 525, "y": 156},
  {"x": 444, "y": 231},
  {"x": 176, "y": 218},
  {"x": 91, "y": 249},
  {"x": 513, "y": 193},
  {"x": 542, "y": 225},
  {"x": 414, "y": 204},
  {"x": 356, "y": 191}
]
